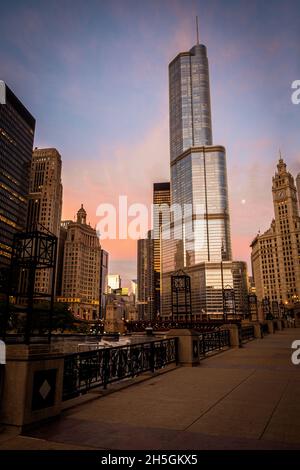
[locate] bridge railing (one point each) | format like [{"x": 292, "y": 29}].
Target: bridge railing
[
  {"x": 246, "y": 333},
  {"x": 165, "y": 325},
  {"x": 87, "y": 370},
  {"x": 213, "y": 341}
]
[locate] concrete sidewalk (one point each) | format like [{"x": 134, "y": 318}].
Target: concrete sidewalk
[{"x": 246, "y": 398}]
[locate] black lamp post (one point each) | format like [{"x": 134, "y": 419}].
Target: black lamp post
[
  {"x": 228, "y": 301},
  {"x": 252, "y": 306}
]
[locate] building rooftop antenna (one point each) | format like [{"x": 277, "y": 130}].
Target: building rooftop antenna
[{"x": 197, "y": 30}]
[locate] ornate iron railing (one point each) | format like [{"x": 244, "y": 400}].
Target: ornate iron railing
[
  {"x": 87, "y": 370},
  {"x": 213, "y": 341},
  {"x": 246, "y": 333},
  {"x": 141, "y": 325}
]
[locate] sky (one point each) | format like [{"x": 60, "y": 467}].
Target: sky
[{"x": 95, "y": 76}]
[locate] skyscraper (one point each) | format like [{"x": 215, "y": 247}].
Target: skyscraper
[
  {"x": 161, "y": 203},
  {"x": 145, "y": 277},
  {"x": 198, "y": 238},
  {"x": 45, "y": 201},
  {"x": 198, "y": 169},
  {"x": 17, "y": 127},
  {"x": 81, "y": 271},
  {"x": 276, "y": 253},
  {"x": 189, "y": 99}
]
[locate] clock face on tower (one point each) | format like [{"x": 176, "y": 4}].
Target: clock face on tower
[{"x": 281, "y": 194}]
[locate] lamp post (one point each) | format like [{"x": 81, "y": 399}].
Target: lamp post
[
  {"x": 252, "y": 303},
  {"x": 229, "y": 301},
  {"x": 266, "y": 308}
]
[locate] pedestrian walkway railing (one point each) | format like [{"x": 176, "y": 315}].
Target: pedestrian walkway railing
[
  {"x": 166, "y": 325},
  {"x": 87, "y": 370},
  {"x": 246, "y": 333},
  {"x": 213, "y": 341}
]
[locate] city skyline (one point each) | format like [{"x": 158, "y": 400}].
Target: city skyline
[{"x": 62, "y": 81}]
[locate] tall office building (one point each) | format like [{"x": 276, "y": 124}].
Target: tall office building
[
  {"x": 17, "y": 127},
  {"x": 276, "y": 253},
  {"x": 189, "y": 100},
  {"x": 161, "y": 215},
  {"x": 45, "y": 201},
  {"x": 198, "y": 169},
  {"x": 198, "y": 239},
  {"x": 145, "y": 277},
  {"x": 298, "y": 188},
  {"x": 81, "y": 271}
]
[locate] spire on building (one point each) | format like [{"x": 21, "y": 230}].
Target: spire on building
[
  {"x": 281, "y": 165},
  {"x": 81, "y": 216},
  {"x": 197, "y": 30}
]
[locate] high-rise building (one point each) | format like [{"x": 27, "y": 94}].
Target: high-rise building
[
  {"x": 81, "y": 271},
  {"x": 189, "y": 98},
  {"x": 298, "y": 188},
  {"x": 161, "y": 215},
  {"x": 103, "y": 281},
  {"x": 17, "y": 127},
  {"x": 114, "y": 281},
  {"x": 197, "y": 240},
  {"x": 276, "y": 253},
  {"x": 45, "y": 201},
  {"x": 198, "y": 169}
]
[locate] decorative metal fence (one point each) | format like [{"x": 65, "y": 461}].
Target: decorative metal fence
[
  {"x": 87, "y": 370},
  {"x": 246, "y": 333},
  {"x": 213, "y": 341},
  {"x": 165, "y": 325}
]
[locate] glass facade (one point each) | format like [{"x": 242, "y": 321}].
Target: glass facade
[
  {"x": 206, "y": 287},
  {"x": 16, "y": 141},
  {"x": 189, "y": 101},
  {"x": 161, "y": 202},
  {"x": 197, "y": 239},
  {"x": 145, "y": 277},
  {"x": 199, "y": 179}
]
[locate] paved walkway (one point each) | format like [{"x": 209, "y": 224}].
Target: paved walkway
[{"x": 246, "y": 398}]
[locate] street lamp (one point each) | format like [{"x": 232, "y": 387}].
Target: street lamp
[
  {"x": 228, "y": 301},
  {"x": 266, "y": 308},
  {"x": 252, "y": 304}
]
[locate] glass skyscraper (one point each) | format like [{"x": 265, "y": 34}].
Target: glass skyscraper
[
  {"x": 189, "y": 101},
  {"x": 198, "y": 169},
  {"x": 17, "y": 127}
]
